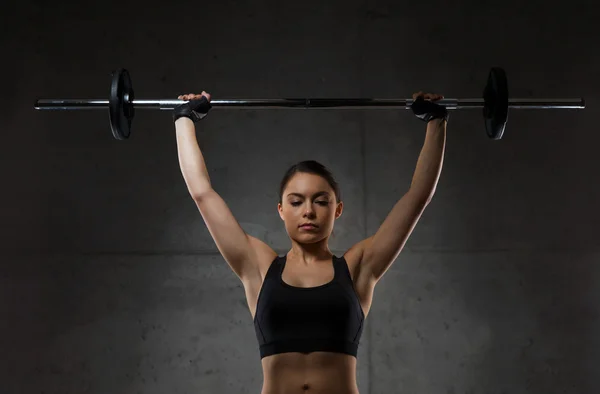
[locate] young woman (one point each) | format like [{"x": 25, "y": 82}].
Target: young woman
[{"x": 309, "y": 305}]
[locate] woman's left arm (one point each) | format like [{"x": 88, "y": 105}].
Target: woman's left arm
[
  {"x": 380, "y": 250},
  {"x": 429, "y": 164}
]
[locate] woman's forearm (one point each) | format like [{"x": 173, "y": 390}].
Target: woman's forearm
[
  {"x": 429, "y": 164},
  {"x": 191, "y": 160}
]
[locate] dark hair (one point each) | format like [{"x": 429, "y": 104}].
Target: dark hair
[{"x": 310, "y": 167}]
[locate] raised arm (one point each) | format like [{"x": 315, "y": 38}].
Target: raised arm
[
  {"x": 381, "y": 250},
  {"x": 242, "y": 252}
]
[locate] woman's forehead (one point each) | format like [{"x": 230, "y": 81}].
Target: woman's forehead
[
  {"x": 308, "y": 185},
  {"x": 307, "y": 179}
]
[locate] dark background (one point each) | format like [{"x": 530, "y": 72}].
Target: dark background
[{"x": 110, "y": 282}]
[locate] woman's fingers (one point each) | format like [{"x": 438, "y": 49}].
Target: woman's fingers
[
  {"x": 428, "y": 96},
  {"x": 192, "y": 96}
]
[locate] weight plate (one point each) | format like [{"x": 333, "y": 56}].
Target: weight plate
[
  {"x": 121, "y": 109},
  {"x": 495, "y": 110}
]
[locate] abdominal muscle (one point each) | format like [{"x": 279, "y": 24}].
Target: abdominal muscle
[{"x": 313, "y": 373}]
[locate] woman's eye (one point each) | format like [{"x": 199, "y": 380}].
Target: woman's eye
[{"x": 296, "y": 203}]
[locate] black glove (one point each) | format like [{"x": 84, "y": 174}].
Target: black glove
[
  {"x": 194, "y": 109},
  {"x": 428, "y": 110}
]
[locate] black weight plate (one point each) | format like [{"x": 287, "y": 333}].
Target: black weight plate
[
  {"x": 121, "y": 109},
  {"x": 495, "y": 110}
]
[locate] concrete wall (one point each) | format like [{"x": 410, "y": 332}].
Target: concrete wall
[{"x": 111, "y": 283}]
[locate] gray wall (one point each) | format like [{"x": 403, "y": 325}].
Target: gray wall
[{"x": 111, "y": 283}]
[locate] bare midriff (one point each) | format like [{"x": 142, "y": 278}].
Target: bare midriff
[{"x": 313, "y": 373}]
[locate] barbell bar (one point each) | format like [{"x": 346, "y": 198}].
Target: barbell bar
[
  {"x": 495, "y": 104},
  {"x": 304, "y": 103}
]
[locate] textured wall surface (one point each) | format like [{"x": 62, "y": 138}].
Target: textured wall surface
[{"x": 110, "y": 282}]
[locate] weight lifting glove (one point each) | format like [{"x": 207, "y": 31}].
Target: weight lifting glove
[
  {"x": 194, "y": 109},
  {"x": 428, "y": 110}
]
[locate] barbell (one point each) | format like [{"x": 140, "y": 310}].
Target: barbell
[{"x": 495, "y": 103}]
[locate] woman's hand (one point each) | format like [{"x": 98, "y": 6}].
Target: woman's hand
[
  {"x": 196, "y": 108},
  {"x": 428, "y": 96},
  {"x": 193, "y": 96},
  {"x": 425, "y": 108}
]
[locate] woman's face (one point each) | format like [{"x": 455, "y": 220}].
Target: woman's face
[{"x": 309, "y": 198}]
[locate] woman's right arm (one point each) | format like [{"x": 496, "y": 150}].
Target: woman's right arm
[
  {"x": 243, "y": 253},
  {"x": 191, "y": 160}
]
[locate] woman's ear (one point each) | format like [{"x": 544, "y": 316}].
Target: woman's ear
[{"x": 339, "y": 209}]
